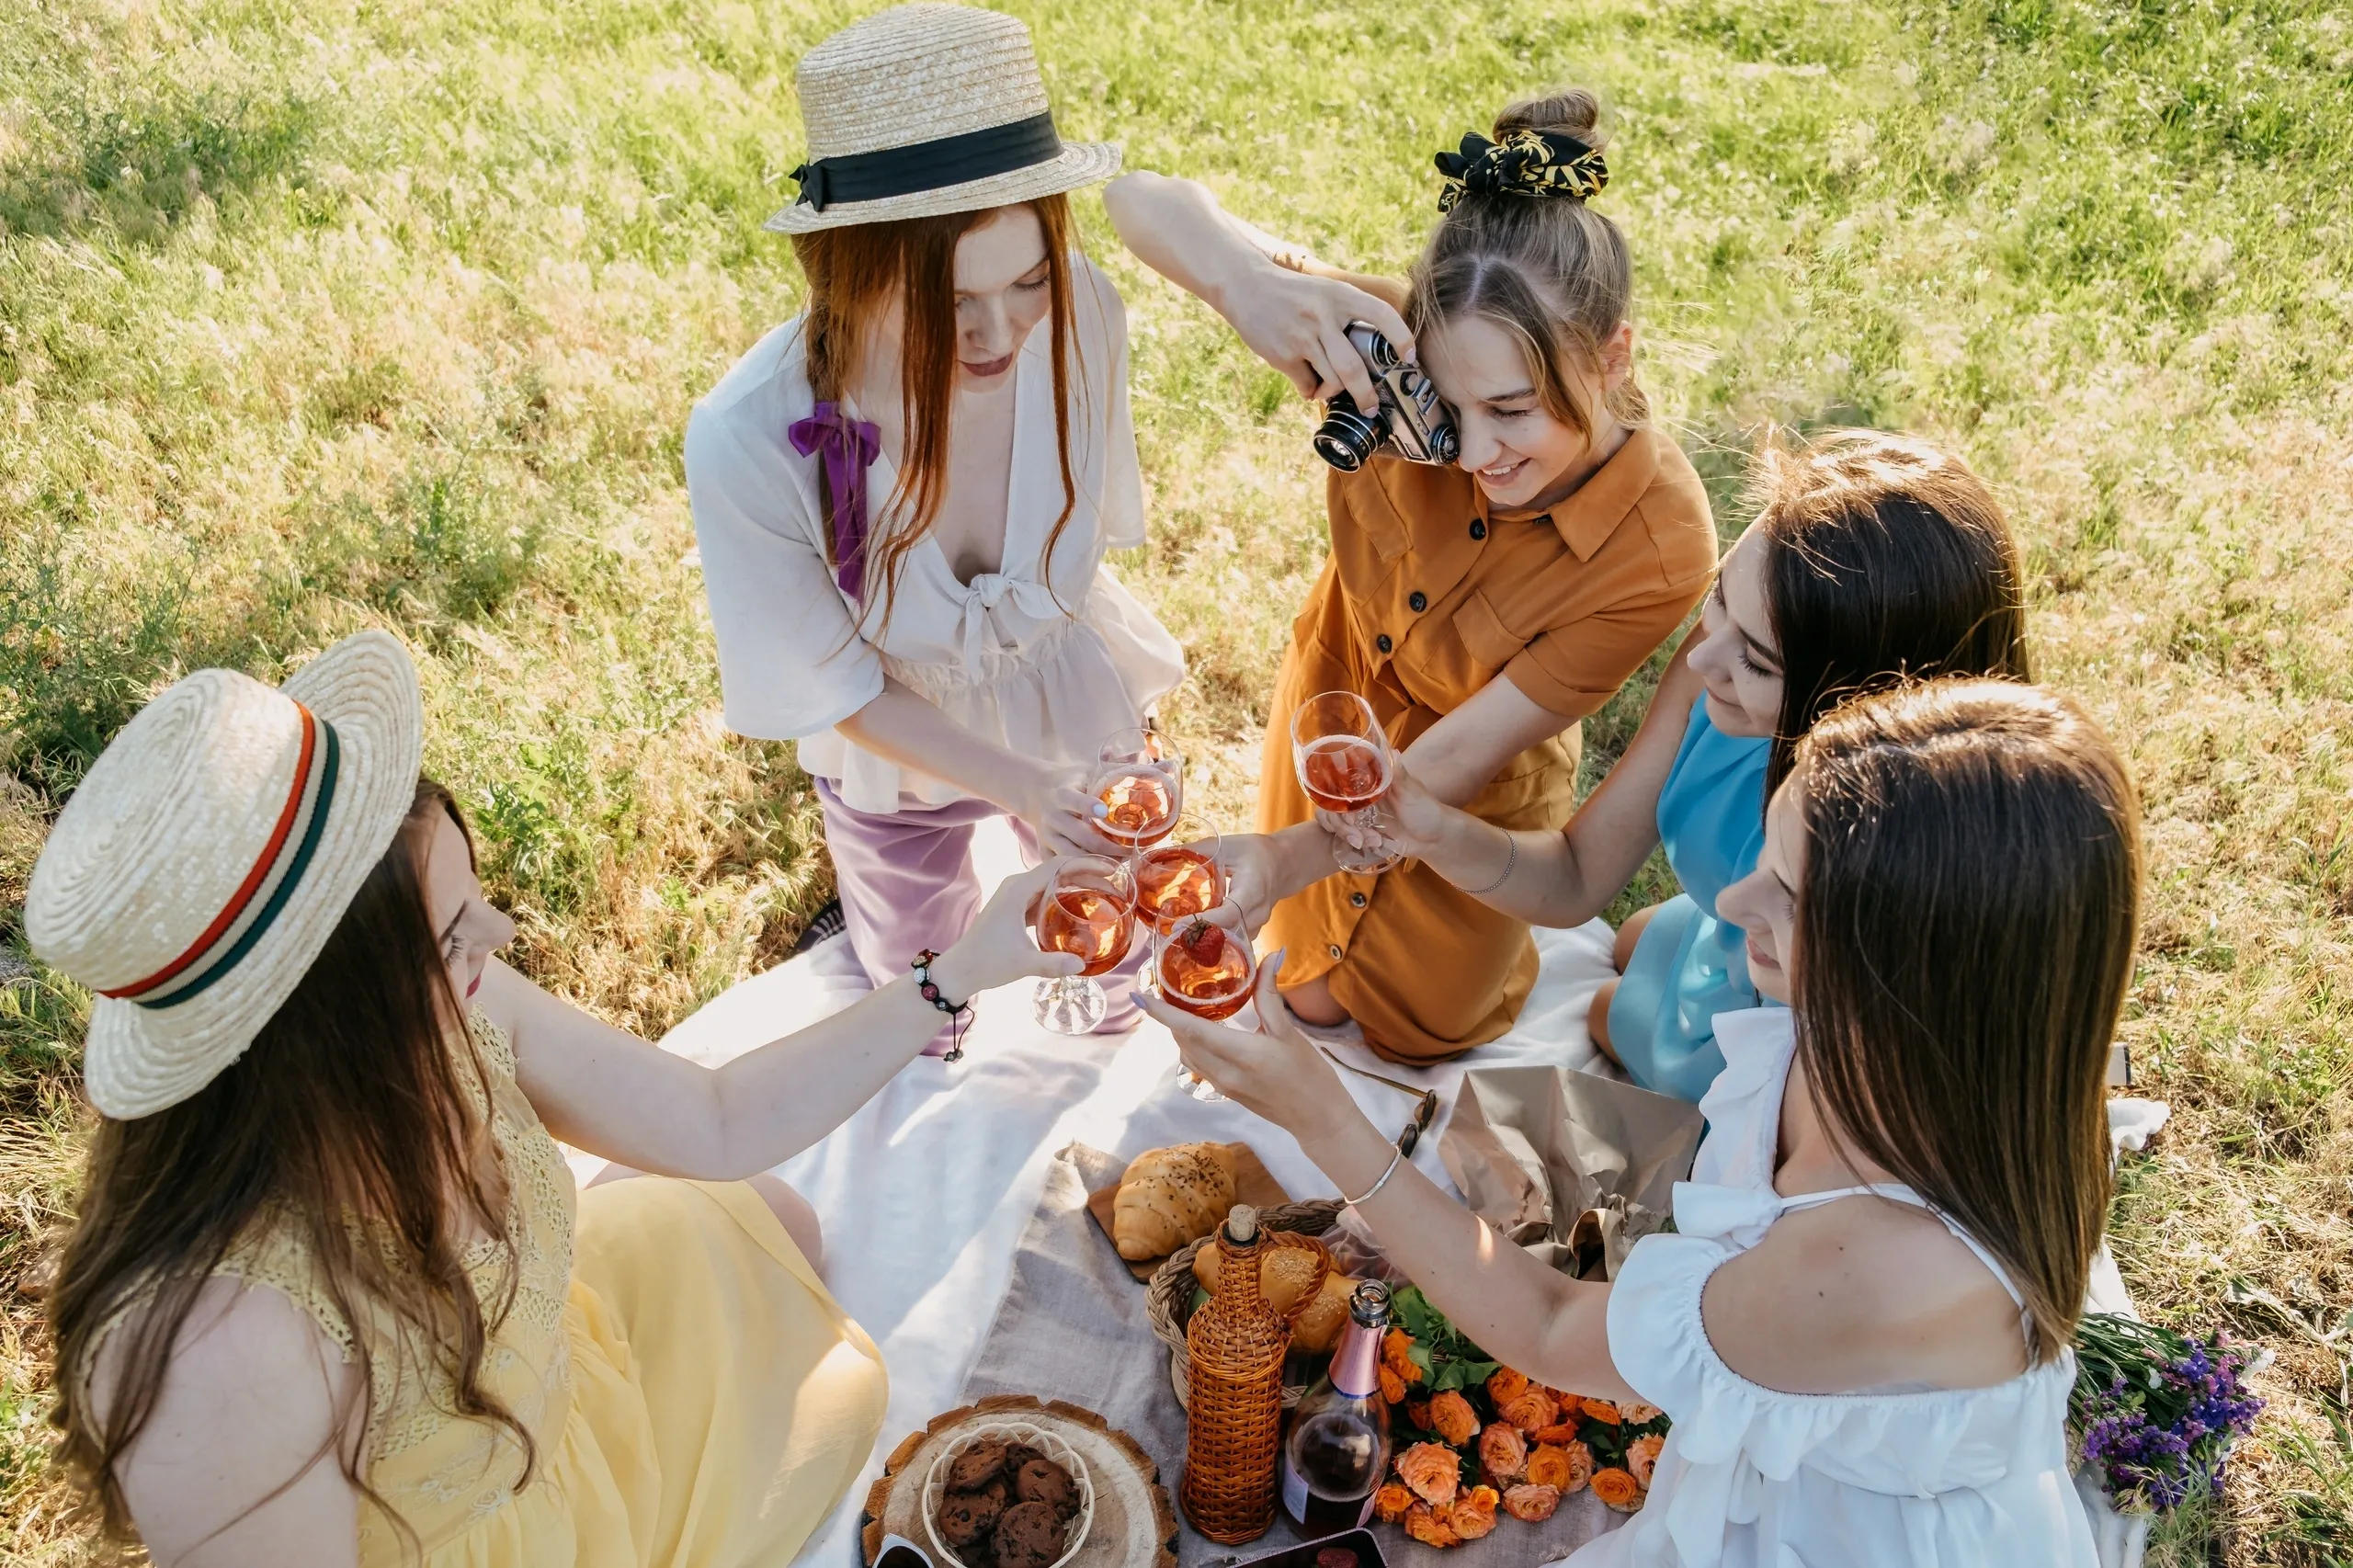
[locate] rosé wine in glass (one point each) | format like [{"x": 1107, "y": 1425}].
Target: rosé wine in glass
[
  {"x": 1089, "y": 909},
  {"x": 1344, "y": 765},
  {"x": 1209, "y": 970},
  {"x": 1095, "y": 926},
  {"x": 1180, "y": 879},
  {"x": 1344, "y": 773},
  {"x": 1140, "y": 782}
]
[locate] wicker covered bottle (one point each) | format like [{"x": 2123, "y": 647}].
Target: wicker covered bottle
[{"x": 1234, "y": 1386}]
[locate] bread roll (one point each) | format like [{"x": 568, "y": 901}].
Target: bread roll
[
  {"x": 1317, "y": 1328},
  {"x": 1171, "y": 1195},
  {"x": 1286, "y": 1271}
]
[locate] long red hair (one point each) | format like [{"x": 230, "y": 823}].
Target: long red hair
[{"x": 854, "y": 272}]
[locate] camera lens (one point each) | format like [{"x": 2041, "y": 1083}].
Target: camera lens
[
  {"x": 1346, "y": 438},
  {"x": 1445, "y": 445}
]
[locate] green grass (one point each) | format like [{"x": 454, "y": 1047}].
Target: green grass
[{"x": 321, "y": 315}]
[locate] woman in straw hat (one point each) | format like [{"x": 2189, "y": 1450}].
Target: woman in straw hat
[
  {"x": 903, "y": 495},
  {"x": 331, "y": 1298}
]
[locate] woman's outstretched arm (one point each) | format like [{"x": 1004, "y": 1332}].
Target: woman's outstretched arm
[
  {"x": 902, "y": 726},
  {"x": 1296, "y": 321},
  {"x": 606, "y": 1091},
  {"x": 1556, "y": 878}
]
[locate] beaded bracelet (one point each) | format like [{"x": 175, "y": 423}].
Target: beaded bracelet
[{"x": 955, "y": 1011}]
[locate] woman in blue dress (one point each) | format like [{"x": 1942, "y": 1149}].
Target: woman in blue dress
[{"x": 1873, "y": 559}]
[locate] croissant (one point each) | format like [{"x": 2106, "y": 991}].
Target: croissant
[{"x": 1172, "y": 1196}]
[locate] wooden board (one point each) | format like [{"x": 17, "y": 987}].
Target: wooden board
[
  {"x": 1252, "y": 1184},
  {"x": 1134, "y": 1526}
]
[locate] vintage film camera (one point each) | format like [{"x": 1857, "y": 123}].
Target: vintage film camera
[{"x": 1410, "y": 423}]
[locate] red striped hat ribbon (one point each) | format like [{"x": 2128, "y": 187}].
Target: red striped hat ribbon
[{"x": 255, "y": 906}]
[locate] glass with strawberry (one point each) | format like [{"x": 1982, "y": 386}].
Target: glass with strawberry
[
  {"x": 1140, "y": 783},
  {"x": 1209, "y": 970},
  {"x": 1345, "y": 764},
  {"x": 1089, "y": 909},
  {"x": 1180, "y": 878}
]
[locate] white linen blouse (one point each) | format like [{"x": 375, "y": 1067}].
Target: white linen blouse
[
  {"x": 1754, "y": 1478},
  {"x": 1045, "y": 658}
]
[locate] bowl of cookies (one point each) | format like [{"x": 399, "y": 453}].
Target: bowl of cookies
[{"x": 1008, "y": 1495}]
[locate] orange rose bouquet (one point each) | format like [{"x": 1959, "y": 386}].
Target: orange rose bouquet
[{"x": 1477, "y": 1439}]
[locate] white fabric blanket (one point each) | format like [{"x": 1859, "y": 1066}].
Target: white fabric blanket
[{"x": 925, "y": 1191}]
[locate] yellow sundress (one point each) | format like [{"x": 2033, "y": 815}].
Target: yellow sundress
[{"x": 697, "y": 1398}]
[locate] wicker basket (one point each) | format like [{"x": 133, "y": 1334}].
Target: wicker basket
[{"x": 1168, "y": 1299}]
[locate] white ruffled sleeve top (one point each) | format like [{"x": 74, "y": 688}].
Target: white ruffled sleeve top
[
  {"x": 1754, "y": 1478},
  {"x": 1044, "y": 657}
]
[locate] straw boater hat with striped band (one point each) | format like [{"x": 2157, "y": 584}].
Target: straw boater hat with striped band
[
  {"x": 924, "y": 109},
  {"x": 209, "y": 853}
]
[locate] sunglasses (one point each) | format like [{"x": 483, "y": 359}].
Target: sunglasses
[{"x": 1424, "y": 1110}]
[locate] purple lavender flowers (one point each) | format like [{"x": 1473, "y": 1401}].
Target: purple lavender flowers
[{"x": 2154, "y": 1414}]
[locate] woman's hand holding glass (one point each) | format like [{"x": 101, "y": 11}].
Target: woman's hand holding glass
[
  {"x": 1255, "y": 880},
  {"x": 1275, "y": 1072},
  {"x": 1057, "y": 802},
  {"x": 999, "y": 949},
  {"x": 1412, "y": 823}
]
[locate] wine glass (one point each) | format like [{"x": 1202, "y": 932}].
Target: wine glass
[
  {"x": 1209, "y": 970},
  {"x": 1139, "y": 779},
  {"x": 1344, "y": 765},
  {"x": 1180, "y": 878},
  {"x": 1089, "y": 909}
]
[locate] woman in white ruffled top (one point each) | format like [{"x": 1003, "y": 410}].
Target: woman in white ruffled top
[
  {"x": 1861, "y": 1324},
  {"x": 903, "y": 496}
]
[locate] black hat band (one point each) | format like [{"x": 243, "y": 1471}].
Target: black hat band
[{"x": 929, "y": 165}]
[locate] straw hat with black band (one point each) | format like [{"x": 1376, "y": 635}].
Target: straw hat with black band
[
  {"x": 924, "y": 109},
  {"x": 209, "y": 853}
]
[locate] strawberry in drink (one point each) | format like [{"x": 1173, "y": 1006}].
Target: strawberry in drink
[{"x": 1206, "y": 970}]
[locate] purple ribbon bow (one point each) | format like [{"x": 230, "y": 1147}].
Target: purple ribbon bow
[{"x": 845, "y": 447}]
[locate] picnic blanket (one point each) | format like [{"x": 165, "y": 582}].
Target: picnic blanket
[{"x": 926, "y": 1191}]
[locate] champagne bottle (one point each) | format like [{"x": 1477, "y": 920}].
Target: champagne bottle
[
  {"x": 1339, "y": 1436},
  {"x": 1235, "y": 1346}
]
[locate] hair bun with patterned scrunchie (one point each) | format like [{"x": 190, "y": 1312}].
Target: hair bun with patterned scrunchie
[{"x": 1525, "y": 162}]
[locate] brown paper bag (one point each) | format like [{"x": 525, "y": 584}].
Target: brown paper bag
[{"x": 1574, "y": 1168}]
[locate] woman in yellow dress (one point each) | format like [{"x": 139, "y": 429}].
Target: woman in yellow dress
[{"x": 332, "y": 1297}]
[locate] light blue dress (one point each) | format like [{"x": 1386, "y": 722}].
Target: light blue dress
[{"x": 1690, "y": 966}]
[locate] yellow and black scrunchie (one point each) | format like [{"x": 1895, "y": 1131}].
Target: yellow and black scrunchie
[{"x": 1526, "y": 163}]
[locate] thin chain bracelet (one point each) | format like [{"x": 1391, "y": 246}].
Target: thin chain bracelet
[
  {"x": 957, "y": 1011},
  {"x": 1510, "y": 862}
]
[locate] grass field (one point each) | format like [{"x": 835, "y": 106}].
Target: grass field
[{"x": 318, "y": 315}]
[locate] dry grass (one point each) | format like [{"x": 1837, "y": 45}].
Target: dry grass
[{"x": 335, "y": 314}]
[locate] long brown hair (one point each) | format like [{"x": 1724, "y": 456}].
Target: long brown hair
[
  {"x": 855, "y": 273},
  {"x": 350, "y": 1121},
  {"x": 1965, "y": 917},
  {"x": 1886, "y": 559},
  {"x": 1553, "y": 273}
]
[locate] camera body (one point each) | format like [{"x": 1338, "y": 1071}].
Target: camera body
[{"x": 1412, "y": 422}]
